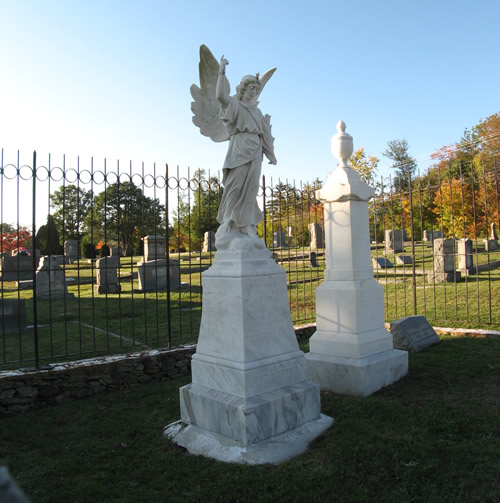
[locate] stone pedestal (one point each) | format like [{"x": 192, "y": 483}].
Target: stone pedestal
[
  {"x": 250, "y": 383},
  {"x": 351, "y": 352}
]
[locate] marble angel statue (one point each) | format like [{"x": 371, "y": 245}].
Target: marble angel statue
[{"x": 237, "y": 119}]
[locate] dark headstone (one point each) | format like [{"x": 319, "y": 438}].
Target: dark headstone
[
  {"x": 12, "y": 315},
  {"x": 381, "y": 263},
  {"x": 490, "y": 245},
  {"x": 404, "y": 260},
  {"x": 413, "y": 333},
  {"x": 279, "y": 239},
  {"x": 313, "y": 260}
]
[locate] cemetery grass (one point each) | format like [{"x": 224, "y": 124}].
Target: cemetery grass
[{"x": 433, "y": 436}]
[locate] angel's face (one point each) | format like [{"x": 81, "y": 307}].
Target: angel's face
[{"x": 251, "y": 91}]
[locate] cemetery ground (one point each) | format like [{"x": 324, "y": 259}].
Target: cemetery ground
[
  {"x": 434, "y": 436},
  {"x": 108, "y": 324}
]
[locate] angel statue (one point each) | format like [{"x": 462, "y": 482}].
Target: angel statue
[{"x": 237, "y": 119}]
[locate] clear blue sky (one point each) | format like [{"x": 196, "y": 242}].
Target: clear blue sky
[{"x": 111, "y": 78}]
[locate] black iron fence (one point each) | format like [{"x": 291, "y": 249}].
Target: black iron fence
[{"x": 154, "y": 228}]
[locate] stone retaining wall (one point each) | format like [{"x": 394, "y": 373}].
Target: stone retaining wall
[{"x": 22, "y": 390}]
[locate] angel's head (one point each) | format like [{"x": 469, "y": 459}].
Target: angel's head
[{"x": 249, "y": 88}]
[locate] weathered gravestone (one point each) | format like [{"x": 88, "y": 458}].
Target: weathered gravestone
[
  {"x": 71, "y": 251},
  {"x": 12, "y": 315},
  {"x": 404, "y": 260},
  {"x": 490, "y": 245},
  {"x": 430, "y": 236},
  {"x": 444, "y": 262},
  {"x": 107, "y": 276},
  {"x": 153, "y": 275},
  {"x": 50, "y": 280},
  {"x": 493, "y": 231},
  {"x": 209, "y": 242},
  {"x": 413, "y": 333},
  {"x": 279, "y": 239},
  {"x": 154, "y": 247},
  {"x": 116, "y": 251},
  {"x": 465, "y": 257},
  {"x": 18, "y": 267},
  {"x": 394, "y": 241},
  {"x": 381, "y": 263},
  {"x": 317, "y": 234}
]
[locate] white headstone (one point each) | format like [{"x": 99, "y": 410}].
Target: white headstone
[
  {"x": 465, "y": 256},
  {"x": 351, "y": 352}
]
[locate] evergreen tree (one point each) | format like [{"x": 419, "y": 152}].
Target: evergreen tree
[
  {"x": 47, "y": 238},
  {"x": 404, "y": 164}
]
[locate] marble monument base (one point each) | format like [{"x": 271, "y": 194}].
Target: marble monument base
[
  {"x": 249, "y": 377},
  {"x": 273, "y": 450},
  {"x": 357, "y": 376}
]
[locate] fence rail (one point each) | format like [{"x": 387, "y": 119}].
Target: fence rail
[{"x": 148, "y": 294}]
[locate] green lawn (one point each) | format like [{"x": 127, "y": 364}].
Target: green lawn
[{"x": 432, "y": 437}]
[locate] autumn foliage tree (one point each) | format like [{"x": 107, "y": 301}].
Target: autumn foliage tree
[{"x": 13, "y": 239}]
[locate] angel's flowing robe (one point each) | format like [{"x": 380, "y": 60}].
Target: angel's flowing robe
[{"x": 250, "y": 137}]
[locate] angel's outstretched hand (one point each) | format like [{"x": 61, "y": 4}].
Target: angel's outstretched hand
[{"x": 223, "y": 63}]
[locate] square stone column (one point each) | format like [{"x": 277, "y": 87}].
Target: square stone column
[{"x": 351, "y": 352}]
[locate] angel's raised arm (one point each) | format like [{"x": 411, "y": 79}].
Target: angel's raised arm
[{"x": 222, "y": 89}]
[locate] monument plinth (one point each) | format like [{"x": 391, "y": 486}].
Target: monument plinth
[
  {"x": 250, "y": 400},
  {"x": 351, "y": 352}
]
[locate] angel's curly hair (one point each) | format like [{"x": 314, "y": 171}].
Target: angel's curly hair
[{"x": 245, "y": 82}]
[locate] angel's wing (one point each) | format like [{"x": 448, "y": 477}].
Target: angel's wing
[
  {"x": 264, "y": 78},
  {"x": 205, "y": 106}
]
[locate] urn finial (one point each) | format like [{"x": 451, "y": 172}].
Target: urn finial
[{"x": 342, "y": 145}]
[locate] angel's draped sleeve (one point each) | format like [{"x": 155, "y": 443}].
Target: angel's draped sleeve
[{"x": 246, "y": 128}]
